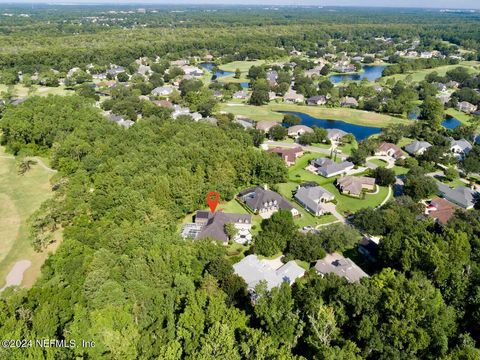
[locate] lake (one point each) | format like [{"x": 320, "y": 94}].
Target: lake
[
  {"x": 359, "y": 131},
  {"x": 370, "y": 72},
  {"x": 220, "y": 73}
]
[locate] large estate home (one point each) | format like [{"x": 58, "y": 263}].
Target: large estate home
[
  {"x": 340, "y": 266},
  {"x": 265, "y": 202},
  {"x": 289, "y": 155},
  {"x": 461, "y": 195},
  {"x": 313, "y": 198},
  {"x": 213, "y": 225},
  {"x": 417, "y": 147},
  {"x": 355, "y": 185},
  {"x": 253, "y": 271},
  {"x": 328, "y": 168},
  {"x": 389, "y": 149}
]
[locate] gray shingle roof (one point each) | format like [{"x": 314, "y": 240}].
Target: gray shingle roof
[
  {"x": 311, "y": 197},
  {"x": 461, "y": 195},
  {"x": 334, "y": 134},
  {"x": 344, "y": 267},
  {"x": 416, "y": 146},
  {"x": 260, "y": 198},
  {"x": 254, "y": 270},
  {"x": 215, "y": 226},
  {"x": 335, "y": 168}
]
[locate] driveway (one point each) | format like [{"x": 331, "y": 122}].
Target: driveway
[
  {"x": 332, "y": 208},
  {"x": 390, "y": 161}
]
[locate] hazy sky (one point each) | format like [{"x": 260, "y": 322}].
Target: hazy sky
[{"x": 457, "y": 4}]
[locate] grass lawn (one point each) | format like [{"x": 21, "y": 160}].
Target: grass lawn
[
  {"x": 352, "y": 116},
  {"x": 286, "y": 189},
  {"x": 378, "y": 162},
  {"x": 455, "y": 183},
  {"x": 347, "y": 204},
  {"x": 322, "y": 146},
  {"x": 244, "y": 66},
  {"x": 298, "y": 174},
  {"x": 256, "y": 113},
  {"x": 400, "y": 170},
  {"x": 20, "y": 196},
  {"x": 404, "y": 141},
  {"x": 21, "y": 91},
  {"x": 460, "y": 116},
  {"x": 347, "y": 148},
  {"x": 232, "y": 79},
  {"x": 419, "y": 75}
]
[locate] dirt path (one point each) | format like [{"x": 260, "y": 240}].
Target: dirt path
[
  {"x": 43, "y": 165},
  {"x": 15, "y": 276}
]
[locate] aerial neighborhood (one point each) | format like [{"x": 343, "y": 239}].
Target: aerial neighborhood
[{"x": 240, "y": 181}]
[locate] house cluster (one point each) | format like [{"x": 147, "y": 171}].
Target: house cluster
[
  {"x": 214, "y": 226},
  {"x": 458, "y": 148}
]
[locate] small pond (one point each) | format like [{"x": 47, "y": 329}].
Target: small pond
[{"x": 370, "y": 72}]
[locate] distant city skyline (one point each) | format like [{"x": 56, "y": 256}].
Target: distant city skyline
[{"x": 446, "y": 4}]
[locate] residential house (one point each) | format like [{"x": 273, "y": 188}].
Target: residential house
[
  {"x": 466, "y": 107},
  {"x": 444, "y": 98},
  {"x": 389, "y": 149},
  {"x": 298, "y": 130},
  {"x": 253, "y": 271},
  {"x": 144, "y": 70},
  {"x": 245, "y": 122},
  {"x": 265, "y": 202},
  {"x": 349, "y": 101},
  {"x": 266, "y": 125},
  {"x": 162, "y": 91},
  {"x": 120, "y": 121},
  {"x": 213, "y": 225},
  {"x": 115, "y": 70},
  {"x": 461, "y": 195},
  {"x": 368, "y": 247},
  {"x": 334, "y": 169},
  {"x": 313, "y": 198},
  {"x": 272, "y": 77},
  {"x": 192, "y": 70},
  {"x": 355, "y": 185},
  {"x": 163, "y": 103},
  {"x": 315, "y": 71},
  {"x": 417, "y": 147},
  {"x": 441, "y": 210},
  {"x": 440, "y": 86},
  {"x": 340, "y": 266},
  {"x": 179, "y": 63},
  {"x": 292, "y": 97},
  {"x": 317, "y": 100},
  {"x": 426, "y": 54},
  {"x": 242, "y": 94},
  {"x": 460, "y": 148},
  {"x": 452, "y": 84},
  {"x": 378, "y": 88},
  {"x": 320, "y": 162},
  {"x": 289, "y": 155},
  {"x": 335, "y": 134}
]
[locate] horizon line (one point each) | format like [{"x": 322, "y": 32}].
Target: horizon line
[{"x": 207, "y": 3}]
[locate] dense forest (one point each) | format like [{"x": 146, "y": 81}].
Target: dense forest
[
  {"x": 70, "y": 38},
  {"x": 123, "y": 277}
]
